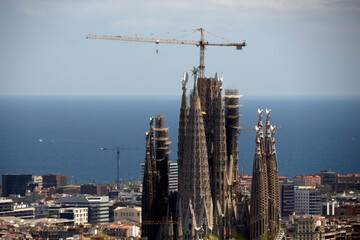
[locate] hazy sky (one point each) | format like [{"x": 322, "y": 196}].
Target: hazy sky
[{"x": 301, "y": 48}]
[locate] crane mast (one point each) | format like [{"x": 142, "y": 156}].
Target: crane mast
[
  {"x": 202, "y": 54},
  {"x": 201, "y": 44}
]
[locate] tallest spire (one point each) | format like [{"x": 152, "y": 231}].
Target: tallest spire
[{"x": 194, "y": 169}]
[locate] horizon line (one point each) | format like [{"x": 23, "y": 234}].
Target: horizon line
[{"x": 171, "y": 96}]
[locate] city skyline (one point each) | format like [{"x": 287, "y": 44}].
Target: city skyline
[{"x": 303, "y": 48}]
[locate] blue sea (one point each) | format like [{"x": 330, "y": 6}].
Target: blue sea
[{"x": 40, "y": 135}]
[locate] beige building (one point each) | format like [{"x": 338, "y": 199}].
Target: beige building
[
  {"x": 304, "y": 227},
  {"x": 129, "y": 213},
  {"x": 123, "y": 232}
]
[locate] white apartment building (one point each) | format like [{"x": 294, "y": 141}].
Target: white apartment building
[
  {"x": 98, "y": 207},
  {"x": 307, "y": 200},
  {"x": 79, "y": 215}
]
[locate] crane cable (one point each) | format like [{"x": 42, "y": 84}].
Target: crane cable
[
  {"x": 160, "y": 33},
  {"x": 185, "y": 34},
  {"x": 188, "y": 32},
  {"x": 217, "y": 36}
]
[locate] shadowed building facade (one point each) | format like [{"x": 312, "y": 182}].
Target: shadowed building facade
[
  {"x": 156, "y": 179},
  {"x": 15, "y": 184}
]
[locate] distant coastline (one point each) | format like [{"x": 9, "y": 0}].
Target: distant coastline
[
  {"x": 145, "y": 97},
  {"x": 318, "y": 133}
]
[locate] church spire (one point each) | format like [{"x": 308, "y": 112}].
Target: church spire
[
  {"x": 195, "y": 182},
  {"x": 259, "y": 188},
  {"x": 273, "y": 180},
  {"x": 219, "y": 164},
  {"x": 265, "y": 198},
  {"x": 182, "y": 128},
  {"x": 148, "y": 188}
]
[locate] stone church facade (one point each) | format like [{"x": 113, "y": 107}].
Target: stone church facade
[{"x": 208, "y": 201}]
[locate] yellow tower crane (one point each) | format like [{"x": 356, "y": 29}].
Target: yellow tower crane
[{"x": 202, "y": 43}]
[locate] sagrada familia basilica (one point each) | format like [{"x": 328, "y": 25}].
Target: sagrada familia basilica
[{"x": 208, "y": 201}]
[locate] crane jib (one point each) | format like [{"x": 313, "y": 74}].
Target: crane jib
[
  {"x": 200, "y": 44},
  {"x": 159, "y": 40}
]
